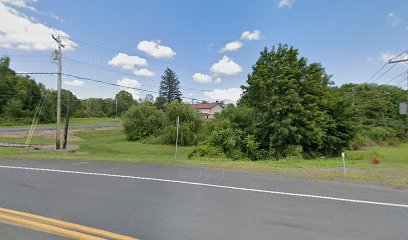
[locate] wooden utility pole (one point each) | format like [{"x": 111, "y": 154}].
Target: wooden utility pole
[
  {"x": 64, "y": 145},
  {"x": 116, "y": 104},
  {"x": 177, "y": 129},
  {"x": 59, "y": 57}
]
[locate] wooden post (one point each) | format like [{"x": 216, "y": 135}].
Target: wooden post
[
  {"x": 177, "y": 127},
  {"x": 64, "y": 146}
]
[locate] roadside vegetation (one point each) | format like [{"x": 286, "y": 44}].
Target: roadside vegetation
[
  {"x": 291, "y": 120},
  {"x": 112, "y": 145},
  {"x": 289, "y": 109}
]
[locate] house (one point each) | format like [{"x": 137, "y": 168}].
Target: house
[{"x": 208, "y": 110}]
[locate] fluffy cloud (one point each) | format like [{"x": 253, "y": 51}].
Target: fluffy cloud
[
  {"x": 127, "y": 62},
  {"x": 250, "y": 36},
  {"x": 226, "y": 66},
  {"x": 74, "y": 83},
  {"x": 128, "y": 85},
  {"x": 393, "y": 19},
  {"x": 20, "y": 4},
  {"x": 19, "y": 31},
  {"x": 228, "y": 95},
  {"x": 386, "y": 56},
  {"x": 204, "y": 78},
  {"x": 155, "y": 49},
  {"x": 231, "y": 46},
  {"x": 143, "y": 72},
  {"x": 285, "y": 3}
]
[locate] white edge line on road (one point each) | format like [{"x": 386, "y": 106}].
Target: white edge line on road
[{"x": 212, "y": 185}]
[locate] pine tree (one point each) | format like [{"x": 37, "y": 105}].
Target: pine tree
[{"x": 169, "y": 86}]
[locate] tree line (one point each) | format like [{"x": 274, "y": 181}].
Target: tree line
[
  {"x": 289, "y": 107},
  {"x": 21, "y": 96}
]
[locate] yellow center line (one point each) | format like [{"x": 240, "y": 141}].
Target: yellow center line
[
  {"x": 7, "y": 219},
  {"x": 54, "y": 226}
]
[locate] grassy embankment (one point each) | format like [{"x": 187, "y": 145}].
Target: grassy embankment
[
  {"x": 72, "y": 122},
  {"x": 111, "y": 145}
]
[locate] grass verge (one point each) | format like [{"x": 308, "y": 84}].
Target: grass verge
[
  {"x": 72, "y": 122},
  {"x": 111, "y": 145}
]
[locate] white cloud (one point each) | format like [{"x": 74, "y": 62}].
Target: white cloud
[
  {"x": 393, "y": 19},
  {"x": 386, "y": 56},
  {"x": 19, "y": 31},
  {"x": 231, "y": 46},
  {"x": 74, "y": 83},
  {"x": 285, "y": 3},
  {"x": 227, "y": 95},
  {"x": 127, "y": 62},
  {"x": 20, "y": 4},
  {"x": 155, "y": 49},
  {"x": 143, "y": 72},
  {"x": 128, "y": 85},
  {"x": 226, "y": 66},
  {"x": 204, "y": 78},
  {"x": 250, "y": 36}
]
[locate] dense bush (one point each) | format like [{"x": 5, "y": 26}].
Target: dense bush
[
  {"x": 143, "y": 120},
  {"x": 146, "y": 120}
]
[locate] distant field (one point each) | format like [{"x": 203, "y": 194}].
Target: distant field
[
  {"x": 73, "y": 122},
  {"x": 111, "y": 145}
]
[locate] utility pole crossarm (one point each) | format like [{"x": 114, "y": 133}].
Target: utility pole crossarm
[{"x": 398, "y": 61}]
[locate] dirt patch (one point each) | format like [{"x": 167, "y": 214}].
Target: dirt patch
[
  {"x": 70, "y": 147},
  {"x": 50, "y": 134}
]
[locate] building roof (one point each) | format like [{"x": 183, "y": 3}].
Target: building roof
[{"x": 204, "y": 105}]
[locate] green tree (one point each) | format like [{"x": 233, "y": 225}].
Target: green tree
[
  {"x": 142, "y": 120},
  {"x": 169, "y": 86},
  {"x": 160, "y": 102},
  {"x": 149, "y": 98},
  {"x": 191, "y": 123},
  {"x": 290, "y": 99},
  {"x": 124, "y": 100}
]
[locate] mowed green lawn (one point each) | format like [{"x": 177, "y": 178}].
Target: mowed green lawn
[
  {"x": 111, "y": 145},
  {"x": 72, "y": 122}
]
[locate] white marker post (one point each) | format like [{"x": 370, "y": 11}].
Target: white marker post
[
  {"x": 177, "y": 126},
  {"x": 343, "y": 156}
]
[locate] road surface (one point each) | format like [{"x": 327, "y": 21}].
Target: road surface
[
  {"x": 22, "y": 129},
  {"x": 174, "y": 202}
]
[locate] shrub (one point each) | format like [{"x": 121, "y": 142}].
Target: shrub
[
  {"x": 142, "y": 120},
  {"x": 190, "y": 127},
  {"x": 381, "y": 134},
  {"x": 206, "y": 151}
]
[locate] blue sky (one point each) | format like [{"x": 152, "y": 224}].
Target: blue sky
[{"x": 211, "y": 45}]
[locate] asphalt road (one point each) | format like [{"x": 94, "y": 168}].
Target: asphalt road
[
  {"x": 172, "y": 202},
  {"x": 22, "y": 129}
]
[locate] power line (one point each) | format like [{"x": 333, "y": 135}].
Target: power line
[
  {"x": 383, "y": 74},
  {"x": 148, "y": 58},
  {"x": 131, "y": 75},
  {"x": 24, "y": 55},
  {"x": 392, "y": 59},
  {"x": 100, "y": 81},
  {"x": 118, "y": 85},
  {"x": 381, "y": 68},
  {"x": 392, "y": 79}
]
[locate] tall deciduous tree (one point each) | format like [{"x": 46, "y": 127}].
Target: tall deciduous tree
[
  {"x": 290, "y": 97},
  {"x": 169, "y": 86},
  {"x": 124, "y": 101}
]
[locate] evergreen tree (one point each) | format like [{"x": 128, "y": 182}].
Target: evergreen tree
[{"x": 169, "y": 86}]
